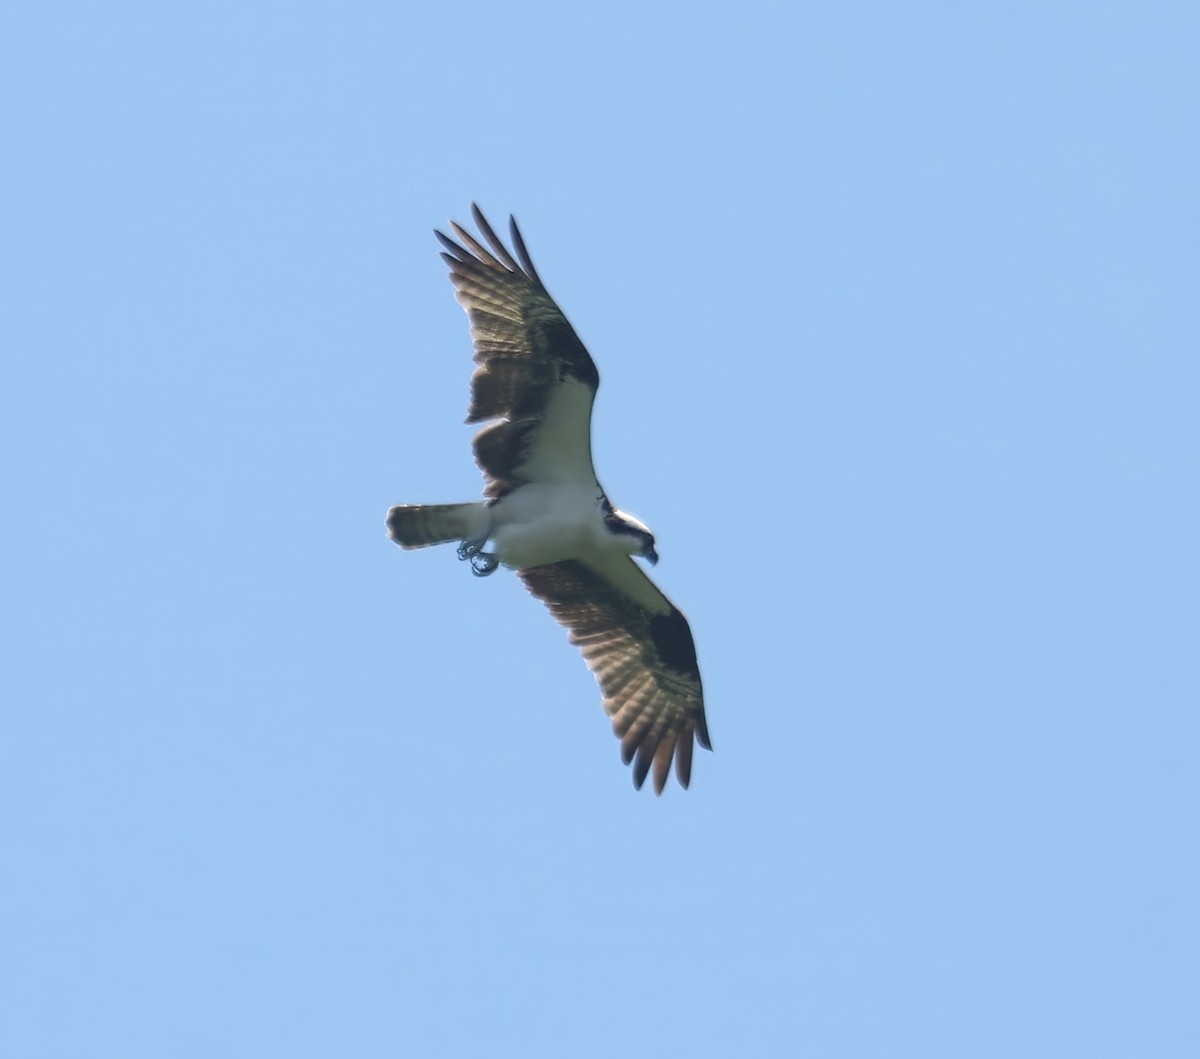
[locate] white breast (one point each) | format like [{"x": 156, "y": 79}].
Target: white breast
[{"x": 545, "y": 523}]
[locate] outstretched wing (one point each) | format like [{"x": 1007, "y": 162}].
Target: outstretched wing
[
  {"x": 640, "y": 649},
  {"x": 534, "y": 376}
]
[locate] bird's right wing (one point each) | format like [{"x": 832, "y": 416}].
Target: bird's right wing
[{"x": 533, "y": 373}]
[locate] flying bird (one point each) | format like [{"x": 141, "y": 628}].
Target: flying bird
[{"x": 545, "y": 515}]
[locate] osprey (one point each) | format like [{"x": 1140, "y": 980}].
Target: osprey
[{"x": 546, "y": 515}]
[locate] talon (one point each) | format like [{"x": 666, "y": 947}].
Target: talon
[{"x": 483, "y": 563}]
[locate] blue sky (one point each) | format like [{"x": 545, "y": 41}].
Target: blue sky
[{"x": 896, "y": 312}]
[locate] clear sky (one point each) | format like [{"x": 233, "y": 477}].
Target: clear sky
[{"x": 896, "y": 311}]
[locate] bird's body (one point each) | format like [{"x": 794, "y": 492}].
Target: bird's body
[
  {"x": 546, "y": 516},
  {"x": 542, "y": 523}
]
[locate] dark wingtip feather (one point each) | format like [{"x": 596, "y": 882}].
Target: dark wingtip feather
[
  {"x": 476, "y": 248},
  {"x": 523, "y": 251},
  {"x": 663, "y": 753},
  {"x": 683, "y": 759},
  {"x": 457, "y": 251},
  {"x": 500, "y": 251},
  {"x": 641, "y": 766}
]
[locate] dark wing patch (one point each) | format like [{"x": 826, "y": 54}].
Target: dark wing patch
[
  {"x": 644, "y": 663},
  {"x": 524, "y": 345}
]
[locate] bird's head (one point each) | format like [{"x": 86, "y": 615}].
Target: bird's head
[{"x": 635, "y": 532}]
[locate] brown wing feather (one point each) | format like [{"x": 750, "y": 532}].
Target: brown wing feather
[
  {"x": 524, "y": 346},
  {"x": 644, "y": 662}
]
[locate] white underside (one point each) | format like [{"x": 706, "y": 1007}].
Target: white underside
[
  {"x": 544, "y": 523},
  {"x": 557, "y": 516}
]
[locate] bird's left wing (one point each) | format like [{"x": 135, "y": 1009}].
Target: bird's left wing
[{"x": 640, "y": 649}]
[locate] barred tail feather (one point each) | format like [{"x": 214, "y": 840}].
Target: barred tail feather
[{"x": 419, "y": 525}]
